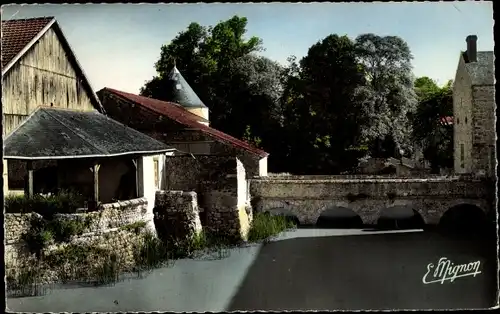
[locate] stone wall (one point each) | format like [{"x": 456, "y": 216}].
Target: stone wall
[
  {"x": 483, "y": 149},
  {"x": 221, "y": 187},
  {"x": 462, "y": 119},
  {"x": 177, "y": 215},
  {"x": 107, "y": 230},
  {"x": 188, "y": 173},
  {"x": 15, "y": 226}
]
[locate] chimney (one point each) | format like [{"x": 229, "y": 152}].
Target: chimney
[{"x": 471, "y": 41}]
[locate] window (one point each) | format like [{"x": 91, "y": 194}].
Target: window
[
  {"x": 462, "y": 156},
  {"x": 465, "y": 120},
  {"x": 157, "y": 172},
  {"x": 458, "y": 120}
]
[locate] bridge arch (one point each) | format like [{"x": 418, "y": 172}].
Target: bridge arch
[
  {"x": 339, "y": 217},
  {"x": 463, "y": 218},
  {"x": 400, "y": 217}
]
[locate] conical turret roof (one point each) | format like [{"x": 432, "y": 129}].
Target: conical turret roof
[{"x": 180, "y": 92}]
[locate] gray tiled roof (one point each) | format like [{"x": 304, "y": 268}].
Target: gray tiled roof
[
  {"x": 58, "y": 134},
  {"x": 180, "y": 92},
  {"x": 482, "y": 72}
]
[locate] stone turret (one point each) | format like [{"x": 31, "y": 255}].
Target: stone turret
[{"x": 181, "y": 93}]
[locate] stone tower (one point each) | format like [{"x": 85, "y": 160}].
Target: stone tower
[
  {"x": 474, "y": 112},
  {"x": 179, "y": 91}
]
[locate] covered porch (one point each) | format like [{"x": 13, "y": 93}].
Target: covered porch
[{"x": 87, "y": 152}]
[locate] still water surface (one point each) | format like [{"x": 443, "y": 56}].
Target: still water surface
[{"x": 304, "y": 269}]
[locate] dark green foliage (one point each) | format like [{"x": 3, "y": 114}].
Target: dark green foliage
[
  {"x": 64, "y": 202},
  {"x": 42, "y": 232},
  {"x": 346, "y": 99},
  {"x": 430, "y": 128}
]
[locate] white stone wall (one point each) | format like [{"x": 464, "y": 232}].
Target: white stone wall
[
  {"x": 263, "y": 167},
  {"x": 147, "y": 184},
  {"x": 243, "y": 199}
]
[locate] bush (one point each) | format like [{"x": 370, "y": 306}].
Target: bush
[
  {"x": 64, "y": 202},
  {"x": 265, "y": 226},
  {"x": 43, "y": 232},
  {"x": 63, "y": 230}
]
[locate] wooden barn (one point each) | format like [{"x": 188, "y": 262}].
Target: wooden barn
[{"x": 40, "y": 70}]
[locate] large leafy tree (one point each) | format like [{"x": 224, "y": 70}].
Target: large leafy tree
[
  {"x": 432, "y": 122},
  {"x": 322, "y": 119},
  {"x": 388, "y": 97}
]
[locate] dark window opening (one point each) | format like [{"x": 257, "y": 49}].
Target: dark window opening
[
  {"x": 465, "y": 120},
  {"x": 458, "y": 120},
  {"x": 462, "y": 156}
]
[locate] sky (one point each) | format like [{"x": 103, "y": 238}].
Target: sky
[{"x": 118, "y": 44}]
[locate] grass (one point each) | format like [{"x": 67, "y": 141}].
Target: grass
[
  {"x": 265, "y": 226},
  {"x": 135, "y": 227}
]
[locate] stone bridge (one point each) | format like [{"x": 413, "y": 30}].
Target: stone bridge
[{"x": 307, "y": 197}]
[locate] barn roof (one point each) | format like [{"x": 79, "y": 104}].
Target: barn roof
[
  {"x": 18, "y": 36},
  {"x": 184, "y": 117},
  {"x": 50, "y": 133},
  {"x": 180, "y": 92}
]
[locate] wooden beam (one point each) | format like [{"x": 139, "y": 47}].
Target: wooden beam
[
  {"x": 29, "y": 166},
  {"x": 136, "y": 163},
  {"x": 95, "y": 169}
]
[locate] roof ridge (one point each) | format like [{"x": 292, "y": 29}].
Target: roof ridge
[
  {"x": 48, "y": 17},
  {"x": 177, "y": 106},
  {"x": 188, "y": 119}
]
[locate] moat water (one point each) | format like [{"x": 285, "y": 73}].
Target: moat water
[{"x": 311, "y": 268}]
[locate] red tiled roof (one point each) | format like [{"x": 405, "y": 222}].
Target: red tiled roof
[
  {"x": 447, "y": 120},
  {"x": 182, "y": 116},
  {"x": 16, "y": 34}
]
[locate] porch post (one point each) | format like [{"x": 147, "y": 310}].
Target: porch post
[
  {"x": 29, "y": 166},
  {"x": 136, "y": 165},
  {"x": 95, "y": 170}
]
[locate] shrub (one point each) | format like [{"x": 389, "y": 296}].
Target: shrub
[
  {"x": 63, "y": 229},
  {"x": 43, "y": 232},
  {"x": 135, "y": 227},
  {"x": 38, "y": 236},
  {"x": 64, "y": 202},
  {"x": 265, "y": 226}
]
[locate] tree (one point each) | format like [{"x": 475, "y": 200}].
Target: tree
[
  {"x": 204, "y": 55},
  {"x": 388, "y": 98},
  {"x": 425, "y": 86},
  {"x": 320, "y": 115},
  {"x": 432, "y": 124},
  {"x": 256, "y": 89}
]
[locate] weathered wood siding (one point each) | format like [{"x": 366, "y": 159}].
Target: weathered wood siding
[{"x": 43, "y": 77}]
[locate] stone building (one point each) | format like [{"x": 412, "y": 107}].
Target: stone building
[
  {"x": 182, "y": 123},
  {"x": 474, "y": 112}
]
